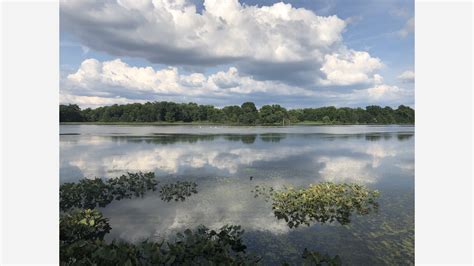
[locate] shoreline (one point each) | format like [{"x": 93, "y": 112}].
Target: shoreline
[{"x": 307, "y": 123}]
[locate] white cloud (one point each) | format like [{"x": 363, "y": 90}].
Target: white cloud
[
  {"x": 97, "y": 83},
  {"x": 378, "y": 79},
  {"x": 222, "y": 30},
  {"x": 407, "y": 76},
  {"x": 408, "y": 28},
  {"x": 278, "y": 42},
  {"x": 104, "y": 83},
  {"x": 380, "y": 91},
  {"x": 94, "y": 101},
  {"x": 350, "y": 67}
]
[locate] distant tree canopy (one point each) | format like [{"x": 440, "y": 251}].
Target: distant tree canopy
[
  {"x": 70, "y": 113},
  {"x": 246, "y": 114}
]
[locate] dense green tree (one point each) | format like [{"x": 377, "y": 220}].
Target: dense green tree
[
  {"x": 404, "y": 114},
  {"x": 246, "y": 114},
  {"x": 232, "y": 113},
  {"x": 249, "y": 113},
  {"x": 273, "y": 114},
  {"x": 70, "y": 113}
]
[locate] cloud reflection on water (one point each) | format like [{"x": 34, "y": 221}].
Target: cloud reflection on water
[{"x": 221, "y": 165}]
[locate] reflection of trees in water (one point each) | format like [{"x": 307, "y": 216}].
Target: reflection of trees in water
[
  {"x": 185, "y": 138},
  {"x": 376, "y": 137},
  {"x": 387, "y": 136},
  {"x": 272, "y": 137},
  {"x": 164, "y": 139},
  {"x": 246, "y": 139},
  {"x": 189, "y": 138},
  {"x": 403, "y": 137},
  {"x": 367, "y": 136}
]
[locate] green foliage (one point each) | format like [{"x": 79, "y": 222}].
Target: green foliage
[
  {"x": 92, "y": 193},
  {"x": 199, "y": 247},
  {"x": 70, "y": 113},
  {"x": 264, "y": 192},
  {"x": 316, "y": 258},
  {"x": 82, "y": 231},
  {"x": 273, "y": 114},
  {"x": 323, "y": 203},
  {"x": 247, "y": 114},
  {"x": 132, "y": 185},
  {"x": 178, "y": 191},
  {"x": 82, "y": 225}
]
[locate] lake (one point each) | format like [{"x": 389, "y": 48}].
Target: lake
[{"x": 221, "y": 160}]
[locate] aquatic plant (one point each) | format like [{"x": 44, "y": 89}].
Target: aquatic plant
[
  {"x": 92, "y": 193},
  {"x": 82, "y": 243},
  {"x": 177, "y": 191},
  {"x": 82, "y": 225},
  {"x": 324, "y": 202},
  {"x": 316, "y": 258},
  {"x": 82, "y": 229}
]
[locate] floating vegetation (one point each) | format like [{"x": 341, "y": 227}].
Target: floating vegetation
[
  {"x": 316, "y": 258},
  {"x": 82, "y": 229},
  {"x": 82, "y": 225},
  {"x": 82, "y": 243},
  {"x": 92, "y": 193},
  {"x": 264, "y": 192},
  {"x": 323, "y": 203},
  {"x": 178, "y": 191},
  {"x": 384, "y": 238}
]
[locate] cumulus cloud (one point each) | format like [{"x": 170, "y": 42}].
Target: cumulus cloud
[
  {"x": 379, "y": 91},
  {"x": 376, "y": 94},
  {"x": 277, "y": 42},
  {"x": 109, "y": 82},
  {"x": 407, "y": 76},
  {"x": 97, "y": 83},
  {"x": 350, "y": 67}
]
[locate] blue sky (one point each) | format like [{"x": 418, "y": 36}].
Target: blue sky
[{"x": 309, "y": 53}]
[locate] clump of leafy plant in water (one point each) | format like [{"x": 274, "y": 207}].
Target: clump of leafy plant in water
[
  {"x": 316, "y": 258},
  {"x": 91, "y": 193},
  {"x": 82, "y": 228},
  {"x": 178, "y": 191},
  {"x": 324, "y": 203},
  {"x": 82, "y": 243},
  {"x": 82, "y": 225}
]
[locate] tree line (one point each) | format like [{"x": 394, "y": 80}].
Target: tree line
[{"x": 246, "y": 114}]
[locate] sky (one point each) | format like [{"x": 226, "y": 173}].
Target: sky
[{"x": 306, "y": 53}]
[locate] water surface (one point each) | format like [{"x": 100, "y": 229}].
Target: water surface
[{"x": 221, "y": 160}]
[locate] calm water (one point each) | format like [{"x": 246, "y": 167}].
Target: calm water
[{"x": 221, "y": 160}]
